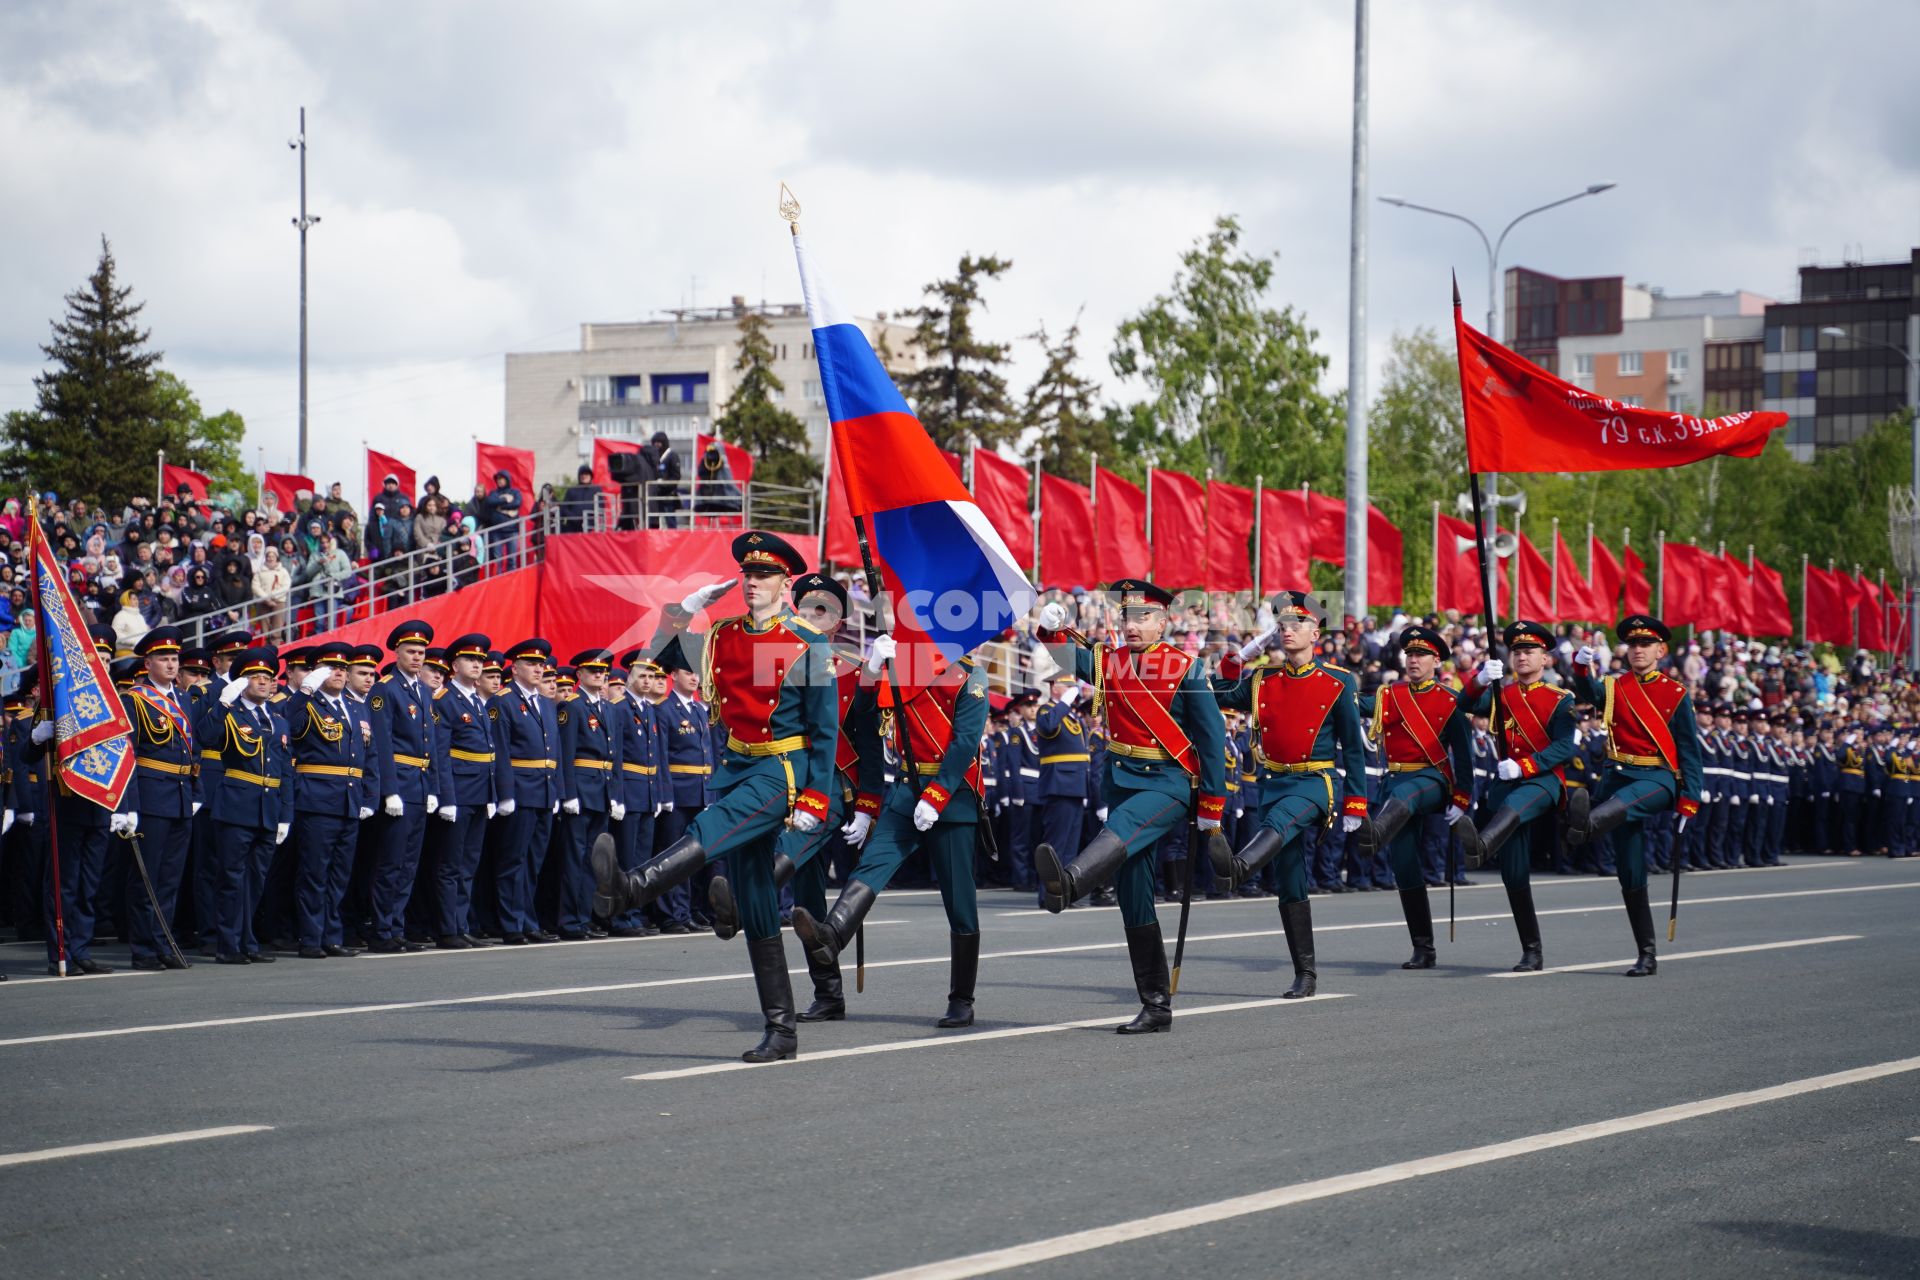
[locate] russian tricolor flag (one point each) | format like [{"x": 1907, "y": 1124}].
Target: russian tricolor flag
[{"x": 954, "y": 583}]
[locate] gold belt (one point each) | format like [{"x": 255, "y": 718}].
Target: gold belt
[
  {"x": 330, "y": 770},
  {"x": 1398, "y": 766},
  {"x": 1622, "y": 757},
  {"x": 1858, "y": 773},
  {"x": 162, "y": 766},
  {"x": 474, "y": 757},
  {"x": 702, "y": 769},
  {"x": 1065, "y": 759},
  {"x": 534, "y": 764},
  {"x": 1302, "y": 766},
  {"x": 593, "y": 764},
  {"x": 241, "y": 775},
  {"x": 776, "y": 747},
  {"x": 644, "y": 770},
  {"x": 1137, "y": 753},
  {"x": 418, "y": 762},
  {"x": 210, "y": 755}
]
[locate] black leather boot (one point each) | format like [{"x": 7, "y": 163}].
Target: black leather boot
[
  {"x": 1640, "y": 916},
  {"x": 769, "y": 956},
  {"x": 1481, "y": 847},
  {"x": 829, "y": 997},
  {"x": 1527, "y": 924},
  {"x": 615, "y": 890},
  {"x": 1259, "y": 851},
  {"x": 726, "y": 919},
  {"x": 1061, "y": 884},
  {"x": 1297, "y": 919},
  {"x": 965, "y": 968},
  {"x": 1149, "y": 956},
  {"x": 1378, "y": 832},
  {"x": 826, "y": 939},
  {"x": 1420, "y": 927},
  {"x": 1599, "y": 819}
]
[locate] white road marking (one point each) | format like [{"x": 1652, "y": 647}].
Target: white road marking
[
  {"x": 1004, "y": 1033},
  {"x": 1038, "y": 1251},
  {"x": 501, "y": 949},
  {"x": 90, "y": 977},
  {"x": 1684, "y": 955},
  {"x": 129, "y": 1144}
]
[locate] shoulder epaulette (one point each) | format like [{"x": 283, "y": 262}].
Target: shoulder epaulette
[
  {"x": 440, "y": 693},
  {"x": 1334, "y": 666}
]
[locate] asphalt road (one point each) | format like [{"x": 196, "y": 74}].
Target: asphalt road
[{"x": 476, "y": 1114}]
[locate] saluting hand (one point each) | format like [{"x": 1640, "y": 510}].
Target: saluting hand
[
  {"x": 42, "y": 731},
  {"x": 1053, "y": 616},
  {"x": 707, "y": 595}
]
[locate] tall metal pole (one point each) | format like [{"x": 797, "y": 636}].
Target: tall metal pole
[
  {"x": 1356, "y": 576},
  {"x": 303, "y": 222}
]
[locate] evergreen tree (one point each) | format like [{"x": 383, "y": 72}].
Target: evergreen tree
[
  {"x": 96, "y": 428},
  {"x": 754, "y": 419},
  {"x": 1059, "y": 408},
  {"x": 960, "y": 391}
]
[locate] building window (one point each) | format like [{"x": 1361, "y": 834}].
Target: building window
[
  {"x": 1631, "y": 402},
  {"x": 596, "y": 389},
  {"x": 1805, "y": 380},
  {"x": 1583, "y": 364},
  {"x": 1629, "y": 364},
  {"x": 1678, "y": 359},
  {"x": 628, "y": 388},
  {"x": 806, "y": 351}
]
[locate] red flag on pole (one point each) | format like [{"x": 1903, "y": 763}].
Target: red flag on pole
[
  {"x": 1121, "y": 509},
  {"x": 1866, "y": 596},
  {"x": 1000, "y": 487},
  {"x": 1733, "y": 593},
  {"x": 1536, "y": 584},
  {"x": 1229, "y": 532},
  {"x": 1896, "y": 616},
  {"x": 1179, "y": 530},
  {"x": 1385, "y": 546},
  {"x": 841, "y": 545},
  {"x": 1578, "y": 601},
  {"x": 174, "y": 479},
  {"x": 1828, "y": 608},
  {"x": 1687, "y": 577},
  {"x": 1458, "y": 576},
  {"x": 1068, "y": 556},
  {"x": 739, "y": 459},
  {"x": 379, "y": 467},
  {"x": 1604, "y": 577},
  {"x": 1639, "y": 593},
  {"x": 1286, "y": 541},
  {"x": 1519, "y": 417},
  {"x": 1770, "y": 615},
  {"x": 517, "y": 463},
  {"x": 286, "y": 488}
]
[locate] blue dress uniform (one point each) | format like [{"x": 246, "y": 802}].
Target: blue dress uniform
[
  {"x": 1873, "y": 837},
  {"x": 330, "y": 756},
  {"x": 1064, "y": 761},
  {"x": 1851, "y": 795},
  {"x": 1533, "y": 728},
  {"x": 1824, "y": 778},
  {"x": 526, "y": 745},
  {"x": 1770, "y": 769},
  {"x": 404, "y": 751},
  {"x": 251, "y": 795},
  {"x": 589, "y": 789},
  {"x": 1747, "y": 797},
  {"x": 643, "y": 781},
  {"x": 161, "y": 799},
  {"x": 1707, "y": 836},
  {"x": 770, "y": 685},
  {"x": 195, "y": 668},
  {"x": 685, "y": 723},
  {"x": 464, "y": 762},
  {"x": 1022, "y": 776},
  {"x": 1426, "y": 737},
  {"x": 1166, "y": 767},
  {"x": 83, "y": 841}
]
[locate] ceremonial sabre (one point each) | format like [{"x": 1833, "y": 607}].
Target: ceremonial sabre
[
  {"x": 1673, "y": 908},
  {"x": 153, "y": 898},
  {"x": 1186, "y": 891}
]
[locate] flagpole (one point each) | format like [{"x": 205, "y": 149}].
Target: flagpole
[
  {"x": 1591, "y": 593},
  {"x": 1149, "y": 522},
  {"x": 1660, "y": 569},
  {"x": 1881, "y": 602},
  {"x": 1093, "y": 491},
  {"x": 1804, "y": 642},
  {"x": 1036, "y": 517},
  {"x": 1436, "y": 555},
  {"x": 44, "y": 712},
  {"x": 1259, "y": 501},
  {"x": 159, "y": 475},
  {"x": 1556, "y": 569}
]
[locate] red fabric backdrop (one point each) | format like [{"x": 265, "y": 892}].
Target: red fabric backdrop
[
  {"x": 1536, "y": 584},
  {"x": 285, "y": 487},
  {"x": 1068, "y": 555}
]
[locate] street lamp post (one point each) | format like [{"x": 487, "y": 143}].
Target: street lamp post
[
  {"x": 1493, "y": 248},
  {"x": 1912, "y": 358}
]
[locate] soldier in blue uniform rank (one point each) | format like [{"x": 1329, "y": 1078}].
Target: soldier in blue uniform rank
[
  {"x": 330, "y": 744},
  {"x": 1063, "y": 761},
  {"x": 83, "y": 837},
  {"x": 254, "y": 804},
  {"x": 463, "y": 735},
  {"x": 159, "y": 803},
  {"x": 1023, "y": 787},
  {"x": 685, "y": 723},
  {"x": 644, "y": 789},
  {"x": 526, "y": 746},
  {"x": 401, "y": 710},
  {"x": 589, "y": 790}
]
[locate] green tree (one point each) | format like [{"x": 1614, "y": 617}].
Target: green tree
[
  {"x": 96, "y": 426},
  {"x": 1417, "y": 451},
  {"x": 754, "y": 419},
  {"x": 1231, "y": 383},
  {"x": 959, "y": 390},
  {"x": 206, "y": 442},
  {"x": 1060, "y": 410}
]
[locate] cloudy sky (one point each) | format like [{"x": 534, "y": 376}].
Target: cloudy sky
[{"x": 491, "y": 175}]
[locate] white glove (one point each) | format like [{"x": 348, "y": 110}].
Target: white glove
[
  {"x": 27, "y": 818},
  {"x": 616, "y": 811},
  {"x": 555, "y": 811},
  {"x": 433, "y": 802},
  {"x": 884, "y": 647},
  {"x": 1207, "y": 824},
  {"x": 1071, "y": 696},
  {"x": 196, "y": 809},
  {"x": 1018, "y": 800},
  {"x": 366, "y": 811},
  {"x": 447, "y": 812},
  {"x": 493, "y": 809},
  {"x": 924, "y": 816},
  {"x": 1349, "y": 824},
  {"x": 231, "y": 694},
  {"x": 6, "y": 822},
  {"x": 667, "y": 807},
  {"x": 1101, "y": 813},
  {"x": 1706, "y": 797},
  {"x": 281, "y": 832},
  {"x": 856, "y": 831},
  {"x": 1586, "y": 656},
  {"x": 121, "y": 824},
  {"x": 707, "y": 595},
  {"x": 42, "y": 730},
  {"x": 805, "y": 823},
  {"x": 315, "y": 678},
  {"x": 1734, "y": 801},
  {"x": 395, "y": 806},
  {"x": 1507, "y": 770},
  {"x": 659, "y": 808},
  {"x": 1770, "y": 800},
  {"x": 1491, "y": 671},
  {"x": 504, "y": 809},
  {"x": 1876, "y": 793},
  {"x": 1680, "y": 824},
  {"x": 1053, "y": 616},
  {"x": 571, "y": 806},
  {"x": 1264, "y": 620}
]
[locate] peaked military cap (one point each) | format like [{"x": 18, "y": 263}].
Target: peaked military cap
[
  {"x": 1297, "y": 604},
  {"x": 814, "y": 583},
  {"x": 1640, "y": 626},
  {"x": 124, "y": 671},
  {"x": 158, "y": 642},
  {"x": 103, "y": 638},
  {"x": 1138, "y": 593},
  {"x": 1418, "y": 639},
  {"x": 261, "y": 661},
  {"x": 757, "y": 549},
  {"x": 230, "y": 641},
  {"x": 531, "y": 650},
  {"x": 494, "y": 662},
  {"x": 195, "y": 660},
  {"x": 592, "y": 660},
  {"x": 368, "y": 655},
  {"x": 334, "y": 653},
  {"x": 638, "y": 660},
  {"x": 437, "y": 659},
  {"x": 410, "y": 633},
  {"x": 1522, "y": 632},
  {"x": 471, "y": 645}
]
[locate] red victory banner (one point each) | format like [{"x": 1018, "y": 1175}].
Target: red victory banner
[
  {"x": 1521, "y": 418},
  {"x": 489, "y": 459},
  {"x": 1121, "y": 510},
  {"x": 1828, "y": 607},
  {"x": 1687, "y": 579},
  {"x": 1605, "y": 576},
  {"x": 1577, "y": 599},
  {"x": 1286, "y": 540},
  {"x": 1536, "y": 584},
  {"x": 1457, "y": 569},
  {"x": 286, "y": 488},
  {"x": 174, "y": 479},
  {"x": 1639, "y": 593},
  {"x": 1068, "y": 555},
  {"x": 1179, "y": 529},
  {"x": 1000, "y": 487},
  {"x": 1229, "y": 531},
  {"x": 379, "y": 467},
  {"x": 1866, "y": 595},
  {"x": 1770, "y": 615}
]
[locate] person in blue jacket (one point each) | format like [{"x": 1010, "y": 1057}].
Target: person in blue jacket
[
  {"x": 526, "y": 745},
  {"x": 159, "y": 803},
  {"x": 1064, "y": 763},
  {"x": 643, "y": 774},
  {"x": 330, "y": 743},
  {"x": 463, "y": 722},
  {"x": 404, "y": 749},
  {"x": 254, "y": 800},
  {"x": 589, "y": 787}
]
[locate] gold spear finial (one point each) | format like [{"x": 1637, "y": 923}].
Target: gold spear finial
[{"x": 790, "y": 208}]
